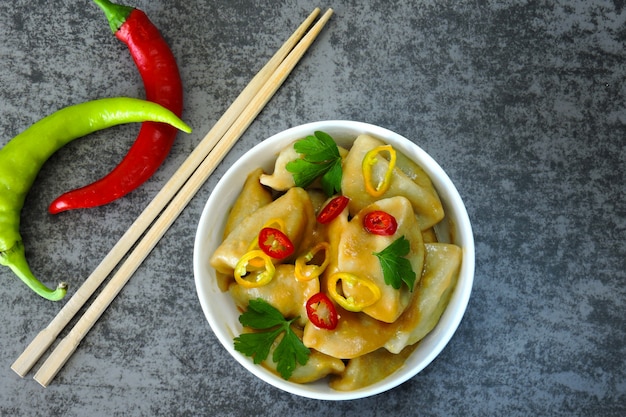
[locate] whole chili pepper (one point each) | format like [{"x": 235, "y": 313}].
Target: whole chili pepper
[
  {"x": 161, "y": 79},
  {"x": 23, "y": 156}
]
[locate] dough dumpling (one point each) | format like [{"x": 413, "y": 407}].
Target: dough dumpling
[
  {"x": 284, "y": 292},
  {"x": 318, "y": 366},
  {"x": 357, "y": 334},
  {"x": 253, "y": 196},
  {"x": 281, "y": 179},
  {"x": 441, "y": 270},
  {"x": 294, "y": 208},
  {"x": 356, "y": 256},
  {"x": 370, "y": 368},
  {"x": 419, "y": 191}
]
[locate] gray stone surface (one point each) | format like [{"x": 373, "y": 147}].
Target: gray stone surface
[{"x": 522, "y": 102}]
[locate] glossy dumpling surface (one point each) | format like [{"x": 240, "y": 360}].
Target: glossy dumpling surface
[
  {"x": 284, "y": 292},
  {"x": 358, "y": 334},
  {"x": 419, "y": 191},
  {"x": 369, "y": 369},
  {"x": 281, "y": 179},
  {"x": 294, "y": 208},
  {"x": 356, "y": 255},
  {"x": 318, "y": 366},
  {"x": 253, "y": 196},
  {"x": 441, "y": 269}
]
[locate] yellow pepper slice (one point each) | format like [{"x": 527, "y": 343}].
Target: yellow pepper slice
[
  {"x": 306, "y": 271},
  {"x": 368, "y": 292},
  {"x": 371, "y": 159},
  {"x": 254, "y": 277}
]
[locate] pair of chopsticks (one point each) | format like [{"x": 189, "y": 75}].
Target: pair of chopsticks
[{"x": 163, "y": 210}]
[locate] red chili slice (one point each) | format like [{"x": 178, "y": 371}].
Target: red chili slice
[
  {"x": 275, "y": 243},
  {"x": 380, "y": 223},
  {"x": 333, "y": 209},
  {"x": 321, "y": 311}
]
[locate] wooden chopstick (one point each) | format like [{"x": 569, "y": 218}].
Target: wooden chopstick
[
  {"x": 68, "y": 345},
  {"x": 46, "y": 337}
]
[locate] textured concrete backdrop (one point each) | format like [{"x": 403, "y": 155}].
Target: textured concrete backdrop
[{"x": 522, "y": 102}]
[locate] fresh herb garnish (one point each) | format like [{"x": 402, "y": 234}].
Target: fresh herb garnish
[
  {"x": 263, "y": 316},
  {"x": 397, "y": 268},
  {"x": 320, "y": 158}
]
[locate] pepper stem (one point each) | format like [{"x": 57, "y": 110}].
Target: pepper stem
[
  {"x": 15, "y": 259},
  {"x": 116, "y": 13}
]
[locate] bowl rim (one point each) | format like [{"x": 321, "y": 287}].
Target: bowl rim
[{"x": 434, "y": 342}]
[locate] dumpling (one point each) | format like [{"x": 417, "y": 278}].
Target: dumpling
[
  {"x": 356, "y": 256},
  {"x": 441, "y": 270},
  {"x": 357, "y": 334},
  {"x": 252, "y": 197},
  {"x": 419, "y": 191},
  {"x": 318, "y": 198},
  {"x": 430, "y": 236},
  {"x": 331, "y": 233},
  {"x": 294, "y": 208},
  {"x": 317, "y": 367},
  {"x": 370, "y": 368},
  {"x": 284, "y": 292},
  {"x": 281, "y": 179}
]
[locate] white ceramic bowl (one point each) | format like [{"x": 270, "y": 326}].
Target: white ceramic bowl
[{"x": 219, "y": 308}]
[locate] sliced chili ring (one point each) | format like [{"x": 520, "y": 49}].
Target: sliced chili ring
[
  {"x": 253, "y": 277},
  {"x": 321, "y": 311},
  {"x": 368, "y": 297},
  {"x": 371, "y": 159},
  {"x": 276, "y": 223},
  {"x": 307, "y": 266},
  {"x": 275, "y": 243},
  {"x": 380, "y": 222},
  {"x": 332, "y": 209}
]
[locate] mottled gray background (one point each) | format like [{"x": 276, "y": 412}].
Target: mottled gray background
[{"x": 522, "y": 102}]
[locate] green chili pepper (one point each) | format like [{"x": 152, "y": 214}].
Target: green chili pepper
[{"x": 24, "y": 155}]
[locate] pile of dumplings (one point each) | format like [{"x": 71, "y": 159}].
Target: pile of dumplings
[{"x": 368, "y": 345}]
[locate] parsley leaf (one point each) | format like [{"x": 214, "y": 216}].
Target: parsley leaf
[
  {"x": 331, "y": 181},
  {"x": 271, "y": 324},
  {"x": 261, "y": 315},
  {"x": 304, "y": 172},
  {"x": 320, "y": 158},
  {"x": 257, "y": 345},
  {"x": 288, "y": 352},
  {"x": 318, "y": 148},
  {"x": 396, "y": 268}
]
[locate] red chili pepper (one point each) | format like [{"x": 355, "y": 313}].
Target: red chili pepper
[
  {"x": 321, "y": 311},
  {"x": 332, "y": 209},
  {"x": 380, "y": 223},
  {"x": 161, "y": 79},
  {"x": 275, "y": 243}
]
